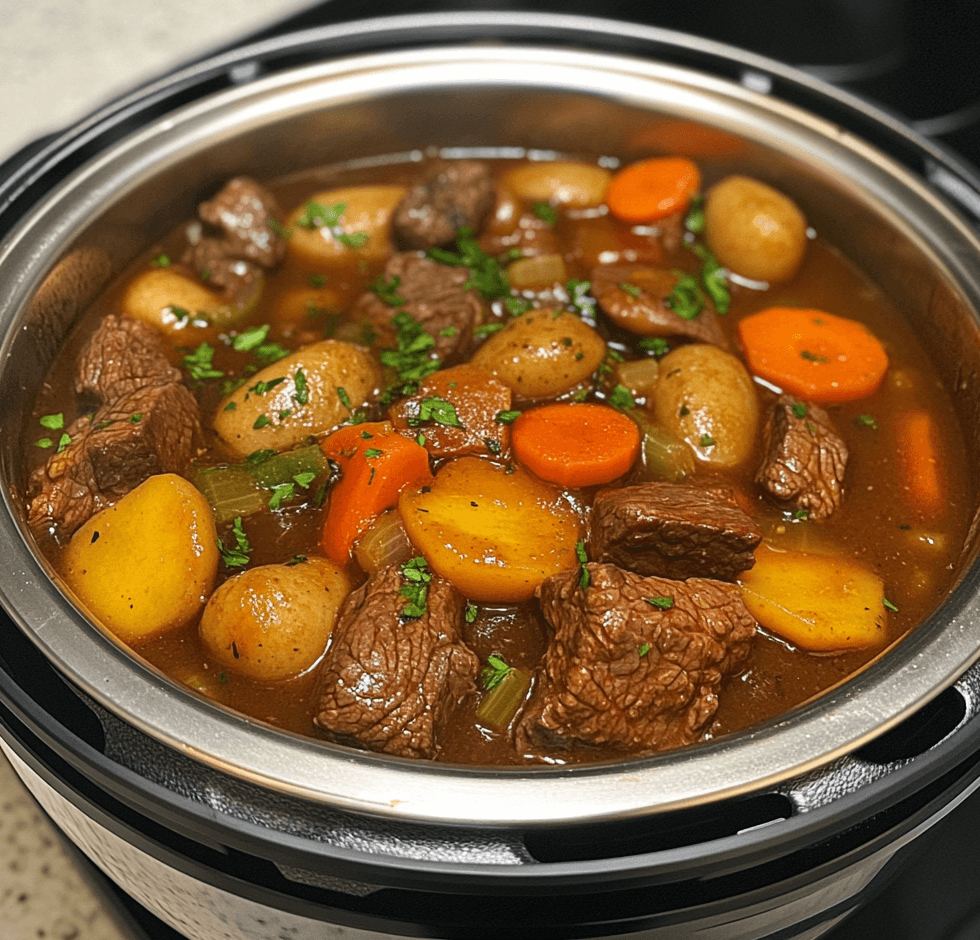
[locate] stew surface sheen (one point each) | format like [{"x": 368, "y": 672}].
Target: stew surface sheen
[{"x": 466, "y": 298}]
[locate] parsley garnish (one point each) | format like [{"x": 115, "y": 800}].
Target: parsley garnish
[
  {"x": 545, "y": 211},
  {"x": 644, "y": 649},
  {"x": 621, "y": 398},
  {"x": 694, "y": 220},
  {"x": 198, "y": 363},
  {"x": 438, "y": 410},
  {"x": 812, "y": 357},
  {"x": 250, "y": 339},
  {"x": 280, "y": 494},
  {"x": 316, "y": 215},
  {"x": 487, "y": 328},
  {"x": 686, "y": 299},
  {"x": 713, "y": 279},
  {"x": 63, "y": 442},
  {"x": 305, "y": 479},
  {"x": 160, "y": 261},
  {"x": 387, "y": 290},
  {"x": 802, "y": 514},
  {"x": 413, "y": 359},
  {"x": 630, "y": 289},
  {"x": 351, "y": 239},
  {"x": 373, "y": 452},
  {"x": 494, "y": 672},
  {"x": 268, "y": 353},
  {"x": 302, "y": 394},
  {"x": 486, "y": 274},
  {"x": 799, "y": 410},
  {"x": 261, "y": 388},
  {"x": 655, "y": 344},
  {"x": 236, "y": 557},
  {"x": 868, "y": 421},
  {"x": 506, "y": 417},
  {"x": 262, "y": 421},
  {"x": 344, "y": 397},
  {"x": 707, "y": 440},
  {"x": 317, "y": 281},
  {"x": 578, "y": 297},
  {"x": 583, "y": 559},
  {"x": 44, "y": 443},
  {"x": 888, "y": 604},
  {"x": 53, "y": 422},
  {"x": 416, "y": 573},
  {"x": 661, "y": 603},
  {"x": 259, "y": 456},
  {"x": 470, "y": 613},
  {"x": 515, "y": 306}
]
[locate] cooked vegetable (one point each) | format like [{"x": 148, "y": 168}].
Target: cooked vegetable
[
  {"x": 919, "y": 459},
  {"x": 574, "y": 185},
  {"x": 754, "y": 229},
  {"x": 230, "y": 491},
  {"x": 505, "y": 696},
  {"x": 537, "y": 273},
  {"x": 376, "y": 464},
  {"x": 817, "y": 602},
  {"x": 706, "y": 398},
  {"x": 664, "y": 457},
  {"x": 385, "y": 542},
  {"x": 495, "y": 534},
  {"x": 542, "y": 354},
  {"x": 308, "y": 392},
  {"x": 653, "y": 189},
  {"x": 813, "y": 354},
  {"x": 147, "y": 563},
  {"x": 638, "y": 376},
  {"x": 273, "y": 622},
  {"x": 331, "y": 225},
  {"x": 182, "y": 307},
  {"x": 576, "y": 445}
]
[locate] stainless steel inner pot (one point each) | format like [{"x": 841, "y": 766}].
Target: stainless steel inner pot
[{"x": 522, "y": 100}]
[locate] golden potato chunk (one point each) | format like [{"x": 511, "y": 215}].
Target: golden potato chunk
[{"x": 147, "y": 563}]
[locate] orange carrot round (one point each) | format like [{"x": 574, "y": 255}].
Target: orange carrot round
[
  {"x": 813, "y": 354},
  {"x": 376, "y": 463},
  {"x": 653, "y": 189},
  {"x": 575, "y": 444},
  {"x": 918, "y": 454}
]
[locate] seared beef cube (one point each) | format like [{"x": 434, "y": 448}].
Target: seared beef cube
[
  {"x": 805, "y": 459},
  {"x": 247, "y": 215},
  {"x": 673, "y": 531},
  {"x": 149, "y": 431},
  {"x": 388, "y": 682},
  {"x": 644, "y": 308},
  {"x": 457, "y": 195},
  {"x": 636, "y": 663},
  {"x": 435, "y": 297},
  {"x": 122, "y": 356},
  {"x": 209, "y": 259}
]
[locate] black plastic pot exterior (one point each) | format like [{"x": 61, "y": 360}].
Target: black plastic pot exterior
[{"x": 216, "y": 855}]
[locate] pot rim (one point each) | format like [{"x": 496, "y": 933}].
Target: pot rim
[{"x": 837, "y": 723}]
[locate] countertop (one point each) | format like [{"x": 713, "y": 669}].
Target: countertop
[{"x": 59, "y": 60}]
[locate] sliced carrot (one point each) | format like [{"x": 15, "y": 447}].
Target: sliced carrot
[
  {"x": 376, "y": 463},
  {"x": 653, "y": 189},
  {"x": 813, "y": 354},
  {"x": 918, "y": 452},
  {"x": 576, "y": 444}
]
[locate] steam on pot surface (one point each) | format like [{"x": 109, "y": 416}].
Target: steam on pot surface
[{"x": 495, "y": 460}]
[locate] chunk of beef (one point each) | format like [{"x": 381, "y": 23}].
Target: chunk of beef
[
  {"x": 148, "y": 423},
  {"x": 644, "y": 308},
  {"x": 389, "y": 683},
  {"x": 636, "y": 662},
  {"x": 245, "y": 236},
  {"x": 805, "y": 459},
  {"x": 454, "y": 196},
  {"x": 435, "y": 296},
  {"x": 122, "y": 356},
  {"x": 673, "y": 531},
  {"x": 147, "y": 431}
]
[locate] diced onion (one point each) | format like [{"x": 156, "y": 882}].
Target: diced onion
[
  {"x": 385, "y": 543},
  {"x": 639, "y": 376},
  {"x": 537, "y": 273}
]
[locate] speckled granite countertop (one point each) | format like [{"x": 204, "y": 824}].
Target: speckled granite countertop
[{"x": 60, "y": 59}]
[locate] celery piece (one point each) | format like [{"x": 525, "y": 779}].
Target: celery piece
[
  {"x": 231, "y": 491},
  {"x": 664, "y": 457},
  {"x": 283, "y": 468},
  {"x": 500, "y": 705}
]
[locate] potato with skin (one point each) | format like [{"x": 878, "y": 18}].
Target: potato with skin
[
  {"x": 182, "y": 308},
  {"x": 754, "y": 229},
  {"x": 146, "y": 564},
  {"x": 542, "y": 355},
  {"x": 273, "y": 622},
  {"x": 561, "y": 183},
  {"x": 704, "y": 396},
  {"x": 367, "y": 211},
  {"x": 300, "y": 395},
  {"x": 495, "y": 535}
]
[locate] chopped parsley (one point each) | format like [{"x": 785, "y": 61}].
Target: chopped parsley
[
  {"x": 317, "y": 281},
  {"x": 280, "y": 494},
  {"x": 53, "y": 422},
  {"x": 584, "y": 578},
  {"x": 868, "y": 421},
  {"x": 713, "y": 279},
  {"x": 268, "y": 353},
  {"x": 486, "y": 274},
  {"x": 413, "y": 358},
  {"x": 250, "y": 339},
  {"x": 694, "y": 220},
  {"x": 315, "y": 215},
  {"x": 259, "y": 456},
  {"x": 799, "y": 410},
  {"x": 621, "y": 398},
  {"x": 578, "y": 297},
  {"x": 351, "y": 239},
  {"x": 372, "y": 452},
  {"x": 135, "y": 418},
  {"x": 661, "y": 603},
  {"x": 812, "y": 357},
  {"x": 44, "y": 443},
  {"x": 416, "y": 573},
  {"x": 707, "y": 440},
  {"x": 302, "y": 393},
  {"x": 470, "y": 613},
  {"x": 644, "y": 649},
  {"x": 655, "y": 344},
  {"x": 262, "y": 421},
  {"x": 160, "y": 261},
  {"x": 686, "y": 299},
  {"x": 63, "y": 442},
  {"x": 506, "y": 417},
  {"x": 494, "y": 672},
  {"x": 261, "y": 388},
  {"x": 487, "y": 328},
  {"x": 305, "y": 479},
  {"x": 889, "y": 605},
  {"x": 546, "y": 212},
  {"x": 438, "y": 410},
  {"x": 448, "y": 331},
  {"x": 236, "y": 557},
  {"x": 630, "y": 289},
  {"x": 344, "y": 397},
  {"x": 515, "y": 306},
  {"x": 199, "y": 363}
]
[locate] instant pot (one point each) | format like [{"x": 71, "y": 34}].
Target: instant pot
[{"x": 225, "y": 828}]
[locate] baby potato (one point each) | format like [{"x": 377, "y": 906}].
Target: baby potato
[
  {"x": 181, "y": 307},
  {"x": 307, "y": 306},
  {"x": 541, "y": 355},
  {"x": 147, "y": 563},
  {"x": 705, "y": 397},
  {"x": 301, "y": 394},
  {"x": 364, "y": 222},
  {"x": 273, "y": 622},
  {"x": 754, "y": 229},
  {"x": 562, "y": 183}
]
